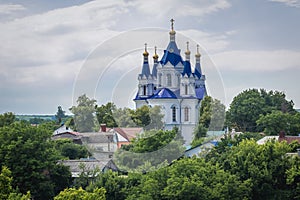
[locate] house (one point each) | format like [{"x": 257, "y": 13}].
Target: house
[
  {"x": 74, "y": 136},
  {"x": 174, "y": 86},
  {"x": 89, "y": 166},
  {"x": 101, "y": 144},
  {"x": 62, "y": 129},
  {"x": 281, "y": 137},
  {"x": 288, "y": 139},
  {"x": 202, "y": 148},
  {"x": 124, "y": 136}
]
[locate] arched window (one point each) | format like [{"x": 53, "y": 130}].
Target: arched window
[
  {"x": 185, "y": 89},
  {"x": 144, "y": 90},
  {"x": 169, "y": 80},
  {"x": 186, "y": 114},
  {"x": 173, "y": 114}
]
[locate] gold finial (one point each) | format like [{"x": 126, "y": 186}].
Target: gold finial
[
  {"x": 198, "y": 54},
  {"x": 155, "y": 57},
  {"x": 145, "y": 53},
  {"x": 172, "y": 27},
  {"x": 187, "y": 49}
]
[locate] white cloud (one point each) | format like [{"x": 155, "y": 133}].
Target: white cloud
[
  {"x": 179, "y": 8},
  {"x": 291, "y": 3},
  {"x": 10, "y": 8},
  {"x": 276, "y": 60}
]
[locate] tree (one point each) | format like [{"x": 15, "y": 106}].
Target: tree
[
  {"x": 246, "y": 108},
  {"x": 5, "y": 183},
  {"x": 7, "y": 119},
  {"x": 60, "y": 114},
  {"x": 264, "y": 166},
  {"x": 190, "y": 178},
  {"x": 156, "y": 117},
  {"x": 105, "y": 114},
  {"x": 152, "y": 150},
  {"x": 70, "y": 150},
  {"x": 141, "y": 116},
  {"x": 81, "y": 194},
  {"x": 277, "y": 121},
  {"x": 212, "y": 114},
  {"x": 123, "y": 117},
  {"x": 84, "y": 118},
  {"x": 28, "y": 152}
]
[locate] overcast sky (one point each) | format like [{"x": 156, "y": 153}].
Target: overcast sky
[{"x": 51, "y": 51}]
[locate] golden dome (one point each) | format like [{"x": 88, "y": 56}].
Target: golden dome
[
  {"x": 146, "y": 52},
  {"x": 155, "y": 55}
]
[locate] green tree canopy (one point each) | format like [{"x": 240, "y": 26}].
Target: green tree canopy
[
  {"x": 246, "y": 108},
  {"x": 105, "y": 115},
  {"x": 60, "y": 114},
  {"x": 277, "y": 121},
  {"x": 84, "y": 118},
  {"x": 28, "y": 152}
]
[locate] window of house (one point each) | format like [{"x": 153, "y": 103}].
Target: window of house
[
  {"x": 186, "y": 114},
  {"x": 169, "y": 80},
  {"x": 174, "y": 114}
]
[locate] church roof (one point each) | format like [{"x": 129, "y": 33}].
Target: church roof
[
  {"x": 173, "y": 58},
  {"x": 187, "y": 68},
  {"x": 146, "y": 69},
  {"x": 198, "y": 70},
  {"x": 164, "y": 93},
  {"x": 154, "y": 70}
]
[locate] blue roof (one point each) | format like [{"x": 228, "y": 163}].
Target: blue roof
[
  {"x": 145, "y": 69},
  {"x": 164, "y": 93},
  {"x": 187, "y": 68},
  {"x": 198, "y": 72},
  {"x": 154, "y": 70},
  {"x": 173, "y": 58},
  {"x": 137, "y": 97}
]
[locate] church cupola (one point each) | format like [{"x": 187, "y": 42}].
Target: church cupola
[
  {"x": 145, "y": 69},
  {"x": 187, "y": 52},
  {"x": 155, "y": 59},
  {"x": 198, "y": 66},
  {"x": 172, "y": 32}
]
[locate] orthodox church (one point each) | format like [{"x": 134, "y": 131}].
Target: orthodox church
[{"x": 174, "y": 86}]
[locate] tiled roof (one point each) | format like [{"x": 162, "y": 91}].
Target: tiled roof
[
  {"x": 289, "y": 139},
  {"x": 129, "y": 133}
]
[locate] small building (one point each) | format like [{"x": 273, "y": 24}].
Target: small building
[
  {"x": 124, "y": 136},
  {"x": 88, "y": 166},
  {"x": 197, "y": 150},
  {"x": 62, "y": 129},
  {"x": 288, "y": 139}
]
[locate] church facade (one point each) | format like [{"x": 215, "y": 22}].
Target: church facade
[{"x": 173, "y": 85}]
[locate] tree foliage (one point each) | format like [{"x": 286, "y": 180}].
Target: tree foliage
[
  {"x": 105, "y": 115},
  {"x": 7, "y": 119},
  {"x": 84, "y": 118},
  {"x": 28, "y": 152},
  {"x": 246, "y": 108},
  {"x": 60, "y": 114},
  {"x": 81, "y": 194},
  {"x": 71, "y": 150},
  {"x": 150, "y": 151},
  {"x": 277, "y": 121}
]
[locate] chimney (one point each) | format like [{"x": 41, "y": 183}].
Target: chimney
[
  {"x": 103, "y": 127},
  {"x": 281, "y": 134}
]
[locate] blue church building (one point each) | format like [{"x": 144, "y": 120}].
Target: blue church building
[{"x": 174, "y": 85}]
